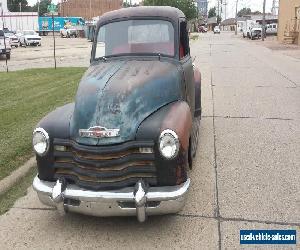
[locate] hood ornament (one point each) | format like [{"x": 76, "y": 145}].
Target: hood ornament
[{"x": 99, "y": 132}]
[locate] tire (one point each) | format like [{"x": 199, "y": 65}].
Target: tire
[
  {"x": 190, "y": 157},
  {"x": 68, "y": 35},
  {"x": 8, "y": 56}
]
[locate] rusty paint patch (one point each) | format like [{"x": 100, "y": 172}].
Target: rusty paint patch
[{"x": 179, "y": 119}]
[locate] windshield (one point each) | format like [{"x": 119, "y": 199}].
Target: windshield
[
  {"x": 30, "y": 33},
  {"x": 136, "y": 37}
]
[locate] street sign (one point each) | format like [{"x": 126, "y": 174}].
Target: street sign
[{"x": 52, "y": 8}]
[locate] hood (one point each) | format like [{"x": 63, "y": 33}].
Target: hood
[{"x": 119, "y": 95}]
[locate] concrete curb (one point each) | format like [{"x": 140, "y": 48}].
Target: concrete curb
[{"x": 9, "y": 181}]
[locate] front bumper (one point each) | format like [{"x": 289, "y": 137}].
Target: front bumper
[
  {"x": 33, "y": 42},
  {"x": 14, "y": 43},
  {"x": 137, "y": 201}
]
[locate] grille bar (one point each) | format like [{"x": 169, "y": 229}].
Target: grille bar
[{"x": 105, "y": 167}]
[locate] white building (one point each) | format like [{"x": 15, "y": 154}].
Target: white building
[{"x": 17, "y": 20}]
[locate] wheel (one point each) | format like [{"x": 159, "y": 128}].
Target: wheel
[
  {"x": 61, "y": 35},
  {"x": 68, "y": 35},
  {"x": 193, "y": 142},
  {"x": 190, "y": 157},
  {"x": 8, "y": 56}
]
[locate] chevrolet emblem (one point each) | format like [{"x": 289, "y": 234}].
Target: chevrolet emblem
[{"x": 99, "y": 132}]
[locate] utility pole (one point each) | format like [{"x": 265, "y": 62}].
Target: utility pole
[
  {"x": 218, "y": 14},
  {"x": 38, "y": 3},
  {"x": 236, "y": 11},
  {"x": 225, "y": 9},
  {"x": 264, "y": 22},
  {"x": 20, "y": 4}
]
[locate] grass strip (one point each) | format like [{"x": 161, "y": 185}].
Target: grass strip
[
  {"x": 26, "y": 96},
  {"x": 8, "y": 199}
]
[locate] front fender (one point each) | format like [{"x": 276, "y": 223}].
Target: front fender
[
  {"x": 197, "y": 77},
  {"x": 177, "y": 117},
  {"x": 56, "y": 125}
]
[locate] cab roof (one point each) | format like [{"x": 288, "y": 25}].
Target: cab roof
[{"x": 142, "y": 11}]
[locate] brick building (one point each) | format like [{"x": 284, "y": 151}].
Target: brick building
[
  {"x": 289, "y": 21},
  {"x": 88, "y": 8}
]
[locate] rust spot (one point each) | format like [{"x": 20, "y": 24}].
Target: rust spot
[
  {"x": 179, "y": 119},
  {"x": 197, "y": 75}
]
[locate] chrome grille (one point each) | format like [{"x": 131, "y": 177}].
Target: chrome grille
[{"x": 104, "y": 167}]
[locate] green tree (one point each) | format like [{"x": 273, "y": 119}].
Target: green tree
[
  {"x": 42, "y": 8},
  {"x": 244, "y": 12},
  {"x": 212, "y": 12},
  {"x": 188, "y": 7},
  {"x": 14, "y": 5}
]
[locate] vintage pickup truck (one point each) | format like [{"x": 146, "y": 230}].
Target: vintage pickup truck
[{"x": 124, "y": 148}]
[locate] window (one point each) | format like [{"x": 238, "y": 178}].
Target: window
[
  {"x": 136, "y": 37},
  {"x": 184, "y": 48}
]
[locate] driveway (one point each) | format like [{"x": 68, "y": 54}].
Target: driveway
[{"x": 246, "y": 173}]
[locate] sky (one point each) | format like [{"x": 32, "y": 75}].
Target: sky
[{"x": 253, "y": 4}]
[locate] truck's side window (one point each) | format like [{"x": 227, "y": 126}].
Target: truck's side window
[{"x": 184, "y": 48}]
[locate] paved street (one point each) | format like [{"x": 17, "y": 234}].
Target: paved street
[{"x": 246, "y": 173}]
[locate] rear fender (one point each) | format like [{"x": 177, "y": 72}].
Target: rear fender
[{"x": 197, "y": 77}]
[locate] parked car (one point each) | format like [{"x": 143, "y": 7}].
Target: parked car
[
  {"x": 14, "y": 40},
  {"x": 30, "y": 38},
  {"x": 202, "y": 29},
  {"x": 272, "y": 29},
  {"x": 68, "y": 32},
  {"x": 125, "y": 146},
  {"x": 255, "y": 32},
  {"x": 217, "y": 30},
  {"x": 5, "y": 47}
]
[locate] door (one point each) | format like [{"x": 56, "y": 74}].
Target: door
[{"x": 187, "y": 65}]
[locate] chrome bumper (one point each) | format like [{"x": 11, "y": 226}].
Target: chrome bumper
[{"x": 136, "y": 201}]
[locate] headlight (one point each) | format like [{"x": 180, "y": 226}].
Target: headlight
[
  {"x": 169, "y": 144},
  {"x": 40, "y": 141}
]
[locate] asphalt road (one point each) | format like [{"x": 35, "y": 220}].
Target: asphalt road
[{"x": 246, "y": 173}]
